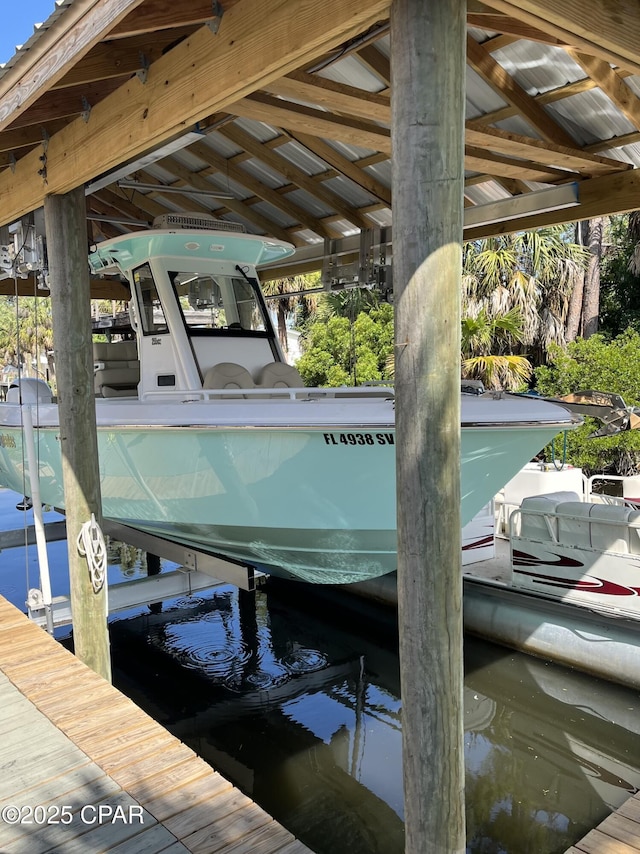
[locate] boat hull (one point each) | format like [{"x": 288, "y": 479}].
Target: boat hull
[{"x": 313, "y": 504}]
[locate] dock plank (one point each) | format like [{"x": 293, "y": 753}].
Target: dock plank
[
  {"x": 187, "y": 795},
  {"x": 73, "y": 739}
]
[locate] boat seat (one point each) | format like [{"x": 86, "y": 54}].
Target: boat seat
[
  {"x": 606, "y": 535},
  {"x": 116, "y": 368},
  {"x": 634, "y": 532},
  {"x": 574, "y": 527},
  {"x": 279, "y": 375},
  {"x": 228, "y": 375},
  {"x": 538, "y": 527}
]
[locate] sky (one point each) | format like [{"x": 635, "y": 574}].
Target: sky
[{"x": 18, "y": 18}]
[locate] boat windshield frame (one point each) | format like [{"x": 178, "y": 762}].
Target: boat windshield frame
[{"x": 224, "y": 283}]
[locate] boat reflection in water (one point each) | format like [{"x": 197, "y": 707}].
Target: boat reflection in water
[{"x": 297, "y": 703}]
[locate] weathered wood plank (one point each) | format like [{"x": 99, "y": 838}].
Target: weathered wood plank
[
  {"x": 140, "y": 768},
  {"x": 148, "y": 768},
  {"x": 148, "y": 746},
  {"x": 168, "y": 779},
  {"x": 269, "y": 839},
  {"x": 596, "y": 842},
  {"x": 201, "y": 815},
  {"x": 230, "y": 828},
  {"x": 186, "y": 796}
]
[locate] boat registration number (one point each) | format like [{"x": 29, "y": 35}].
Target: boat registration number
[{"x": 358, "y": 438}]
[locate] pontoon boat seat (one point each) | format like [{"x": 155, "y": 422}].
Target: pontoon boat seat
[
  {"x": 634, "y": 532},
  {"x": 116, "y": 368},
  {"x": 279, "y": 375},
  {"x": 574, "y": 527},
  {"x": 227, "y": 375},
  {"x": 606, "y": 535},
  {"x": 535, "y": 526}
]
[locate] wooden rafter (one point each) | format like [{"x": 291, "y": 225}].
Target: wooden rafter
[
  {"x": 284, "y": 114},
  {"x": 336, "y": 97},
  {"x": 345, "y": 167},
  {"x": 496, "y": 76},
  {"x": 178, "y": 91},
  {"x": 611, "y": 83},
  {"x": 292, "y": 173},
  {"x": 81, "y": 27},
  {"x": 218, "y": 164},
  {"x": 537, "y": 151},
  {"x": 608, "y": 30}
]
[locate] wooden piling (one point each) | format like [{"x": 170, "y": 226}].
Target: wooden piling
[
  {"x": 67, "y": 249},
  {"x": 428, "y": 74}
]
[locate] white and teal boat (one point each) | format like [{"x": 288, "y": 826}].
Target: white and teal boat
[{"x": 206, "y": 437}]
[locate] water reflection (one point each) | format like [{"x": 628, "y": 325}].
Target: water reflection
[{"x": 297, "y": 702}]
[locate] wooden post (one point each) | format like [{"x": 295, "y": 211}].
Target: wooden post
[
  {"x": 67, "y": 249},
  {"x": 428, "y": 98}
]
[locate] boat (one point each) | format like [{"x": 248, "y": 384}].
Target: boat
[{"x": 206, "y": 437}]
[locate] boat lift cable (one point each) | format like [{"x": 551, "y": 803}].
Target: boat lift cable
[{"x": 91, "y": 545}]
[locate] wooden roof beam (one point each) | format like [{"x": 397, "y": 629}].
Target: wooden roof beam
[
  {"x": 218, "y": 164},
  {"x": 502, "y": 83},
  {"x": 540, "y": 152},
  {"x": 311, "y": 184},
  {"x": 479, "y": 160},
  {"x": 610, "y": 31},
  {"x": 83, "y": 25},
  {"x": 344, "y": 167},
  {"x": 284, "y": 114},
  {"x": 63, "y": 103},
  {"x": 508, "y": 26},
  {"x": 120, "y": 58},
  {"x": 611, "y": 83},
  {"x": 156, "y": 15},
  {"x": 178, "y": 92},
  {"x": 332, "y": 96}
]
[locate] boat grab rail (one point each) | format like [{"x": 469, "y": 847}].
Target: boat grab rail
[
  {"x": 628, "y": 522},
  {"x": 205, "y": 394}
]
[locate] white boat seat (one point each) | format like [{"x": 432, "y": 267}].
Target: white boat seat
[
  {"x": 116, "y": 368},
  {"x": 574, "y": 528},
  {"x": 606, "y": 535},
  {"x": 279, "y": 375},
  {"x": 227, "y": 375},
  {"x": 634, "y": 532},
  {"x": 537, "y": 527}
]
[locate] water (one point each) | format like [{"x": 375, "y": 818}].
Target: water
[{"x": 295, "y": 698}]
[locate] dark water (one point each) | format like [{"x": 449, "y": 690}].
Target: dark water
[{"x": 294, "y": 696}]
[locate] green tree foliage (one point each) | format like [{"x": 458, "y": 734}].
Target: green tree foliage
[
  {"x": 339, "y": 351},
  {"x": 484, "y": 341},
  {"x": 620, "y": 276},
  {"x": 532, "y": 272},
  {"x": 595, "y": 363},
  {"x": 26, "y": 333}
]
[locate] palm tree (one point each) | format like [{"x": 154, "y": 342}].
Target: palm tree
[
  {"x": 484, "y": 339},
  {"x": 286, "y": 305},
  {"x": 532, "y": 271}
]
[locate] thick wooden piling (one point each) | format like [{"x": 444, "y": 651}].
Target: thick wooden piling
[
  {"x": 67, "y": 248},
  {"x": 428, "y": 74}
]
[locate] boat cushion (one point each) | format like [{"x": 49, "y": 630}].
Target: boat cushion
[
  {"x": 611, "y": 533},
  {"x": 116, "y": 368},
  {"x": 227, "y": 375},
  {"x": 279, "y": 375},
  {"x": 538, "y": 527},
  {"x": 573, "y": 524}
]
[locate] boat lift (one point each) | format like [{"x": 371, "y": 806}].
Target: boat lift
[{"x": 197, "y": 569}]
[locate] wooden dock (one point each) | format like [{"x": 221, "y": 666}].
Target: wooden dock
[
  {"x": 619, "y": 833},
  {"x": 82, "y": 768}
]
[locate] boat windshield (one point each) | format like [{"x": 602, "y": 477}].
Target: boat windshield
[{"x": 223, "y": 302}]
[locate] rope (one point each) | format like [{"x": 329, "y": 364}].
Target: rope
[{"x": 92, "y": 546}]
